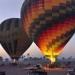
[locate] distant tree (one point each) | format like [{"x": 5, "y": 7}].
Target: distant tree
[
  {"x": 6, "y": 60},
  {"x": 1, "y": 61},
  {"x": 1, "y": 58},
  {"x": 28, "y": 55},
  {"x": 22, "y": 57},
  {"x": 63, "y": 58},
  {"x": 69, "y": 58}
]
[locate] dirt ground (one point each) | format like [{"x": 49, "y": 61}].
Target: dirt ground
[{"x": 20, "y": 70}]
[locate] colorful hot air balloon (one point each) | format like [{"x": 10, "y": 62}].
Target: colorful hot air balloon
[
  {"x": 50, "y": 23},
  {"x": 14, "y": 41}
]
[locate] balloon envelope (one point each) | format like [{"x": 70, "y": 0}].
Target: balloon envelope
[
  {"x": 46, "y": 22},
  {"x": 12, "y": 38},
  {"x": 53, "y": 39},
  {"x": 40, "y": 14}
]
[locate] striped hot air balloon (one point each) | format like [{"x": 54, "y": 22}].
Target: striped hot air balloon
[
  {"x": 12, "y": 38},
  {"x": 50, "y": 23}
]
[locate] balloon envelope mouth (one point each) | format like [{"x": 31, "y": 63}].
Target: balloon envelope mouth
[{"x": 52, "y": 56}]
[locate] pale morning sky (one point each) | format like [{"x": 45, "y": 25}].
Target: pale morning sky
[{"x": 11, "y": 9}]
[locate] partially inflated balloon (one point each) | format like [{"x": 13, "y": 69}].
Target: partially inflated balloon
[
  {"x": 14, "y": 41},
  {"x": 46, "y": 22}
]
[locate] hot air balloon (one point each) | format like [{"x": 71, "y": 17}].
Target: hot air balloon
[
  {"x": 49, "y": 23},
  {"x": 13, "y": 40}
]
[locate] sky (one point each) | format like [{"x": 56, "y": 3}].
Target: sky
[{"x": 11, "y": 9}]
